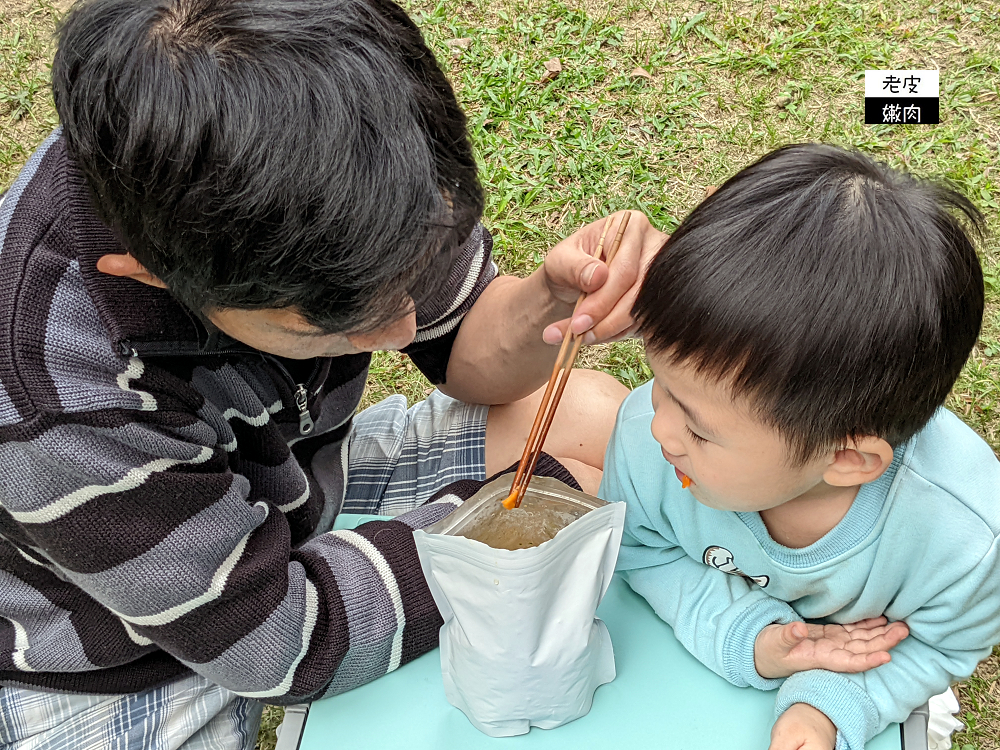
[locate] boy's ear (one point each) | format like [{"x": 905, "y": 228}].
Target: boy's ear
[
  {"x": 860, "y": 461},
  {"x": 129, "y": 267}
]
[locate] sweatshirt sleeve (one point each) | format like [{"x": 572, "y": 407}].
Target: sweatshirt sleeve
[
  {"x": 716, "y": 616},
  {"x": 950, "y": 634}
]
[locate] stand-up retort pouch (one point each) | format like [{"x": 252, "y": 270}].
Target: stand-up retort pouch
[{"x": 520, "y": 644}]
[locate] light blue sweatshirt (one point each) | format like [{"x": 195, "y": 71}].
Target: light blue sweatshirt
[{"x": 919, "y": 545}]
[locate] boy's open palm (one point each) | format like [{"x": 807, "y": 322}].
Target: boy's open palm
[{"x": 782, "y": 650}]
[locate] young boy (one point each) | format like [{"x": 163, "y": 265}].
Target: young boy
[{"x": 804, "y": 325}]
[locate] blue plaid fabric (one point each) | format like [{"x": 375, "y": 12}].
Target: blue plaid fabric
[
  {"x": 398, "y": 458},
  {"x": 191, "y": 713}
]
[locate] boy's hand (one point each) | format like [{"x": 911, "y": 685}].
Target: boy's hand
[
  {"x": 781, "y": 650},
  {"x": 803, "y": 727}
]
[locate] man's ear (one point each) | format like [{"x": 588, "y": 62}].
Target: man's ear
[
  {"x": 128, "y": 267},
  {"x": 860, "y": 461}
]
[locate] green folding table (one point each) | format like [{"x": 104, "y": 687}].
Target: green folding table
[{"x": 662, "y": 697}]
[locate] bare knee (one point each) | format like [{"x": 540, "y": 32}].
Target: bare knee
[
  {"x": 580, "y": 429},
  {"x": 588, "y": 410},
  {"x": 589, "y": 477}
]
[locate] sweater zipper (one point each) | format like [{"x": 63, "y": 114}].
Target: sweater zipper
[
  {"x": 300, "y": 390},
  {"x": 302, "y": 401},
  {"x": 301, "y": 395}
]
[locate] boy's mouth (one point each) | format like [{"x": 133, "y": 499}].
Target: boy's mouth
[{"x": 683, "y": 478}]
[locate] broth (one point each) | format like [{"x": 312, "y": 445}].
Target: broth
[{"x": 537, "y": 520}]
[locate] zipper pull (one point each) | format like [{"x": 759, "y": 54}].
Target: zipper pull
[{"x": 302, "y": 401}]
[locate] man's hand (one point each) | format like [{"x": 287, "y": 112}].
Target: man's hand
[
  {"x": 803, "y": 727},
  {"x": 503, "y": 351},
  {"x": 781, "y": 650},
  {"x": 570, "y": 268}
]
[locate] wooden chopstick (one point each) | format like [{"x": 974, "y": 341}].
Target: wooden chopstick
[{"x": 557, "y": 384}]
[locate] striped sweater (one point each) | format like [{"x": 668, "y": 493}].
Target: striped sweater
[{"x": 158, "y": 504}]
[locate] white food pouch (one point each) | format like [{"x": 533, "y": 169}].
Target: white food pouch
[{"x": 520, "y": 645}]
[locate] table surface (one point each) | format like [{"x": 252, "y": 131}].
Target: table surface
[{"x": 662, "y": 697}]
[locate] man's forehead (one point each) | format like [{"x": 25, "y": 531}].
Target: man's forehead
[{"x": 285, "y": 320}]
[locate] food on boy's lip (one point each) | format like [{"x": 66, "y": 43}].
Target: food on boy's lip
[
  {"x": 685, "y": 479},
  {"x": 537, "y": 520}
]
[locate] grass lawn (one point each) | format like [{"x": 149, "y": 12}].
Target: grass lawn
[{"x": 655, "y": 102}]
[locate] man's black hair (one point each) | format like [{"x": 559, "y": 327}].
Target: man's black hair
[
  {"x": 303, "y": 153},
  {"x": 840, "y": 296}
]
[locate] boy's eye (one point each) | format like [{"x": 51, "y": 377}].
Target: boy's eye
[{"x": 695, "y": 436}]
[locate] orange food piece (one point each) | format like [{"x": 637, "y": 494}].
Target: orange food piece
[
  {"x": 686, "y": 482},
  {"x": 511, "y": 502}
]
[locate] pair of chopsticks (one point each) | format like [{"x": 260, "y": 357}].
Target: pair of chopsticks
[{"x": 557, "y": 384}]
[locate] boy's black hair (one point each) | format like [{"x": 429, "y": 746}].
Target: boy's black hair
[
  {"x": 840, "y": 296},
  {"x": 253, "y": 154}
]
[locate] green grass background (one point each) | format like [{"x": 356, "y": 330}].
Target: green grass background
[{"x": 721, "y": 83}]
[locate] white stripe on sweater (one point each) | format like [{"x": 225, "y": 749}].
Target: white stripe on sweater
[
  {"x": 381, "y": 565},
  {"x": 453, "y": 499},
  {"x": 260, "y": 420},
  {"x": 20, "y": 646},
  {"x": 29, "y": 558},
  {"x": 300, "y": 500},
  {"x": 426, "y": 334},
  {"x": 309, "y": 622},
  {"x": 132, "y": 480},
  {"x": 468, "y": 284},
  {"x": 132, "y": 372},
  {"x": 139, "y": 640}
]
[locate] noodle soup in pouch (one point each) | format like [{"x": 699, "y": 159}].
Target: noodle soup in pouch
[{"x": 518, "y": 591}]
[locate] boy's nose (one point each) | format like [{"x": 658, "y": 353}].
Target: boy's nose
[{"x": 667, "y": 437}]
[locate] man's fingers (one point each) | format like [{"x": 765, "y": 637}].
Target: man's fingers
[
  {"x": 623, "y": 275},
  {"x": 577, "y": 271},
  {"x": 572, "y": 267},
  {"x": 616, "y": 324},
  {"x": 553, "y": 334}
]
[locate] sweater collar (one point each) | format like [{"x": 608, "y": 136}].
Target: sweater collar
[{"x": 140, "y": 319}]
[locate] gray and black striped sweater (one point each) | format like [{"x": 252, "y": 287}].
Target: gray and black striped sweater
[{"x": 158, "y": 508}]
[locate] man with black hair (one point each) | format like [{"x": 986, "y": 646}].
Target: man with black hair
[
  {"x": 244, "y": 200},
  {"x": 798, "y": 501}
]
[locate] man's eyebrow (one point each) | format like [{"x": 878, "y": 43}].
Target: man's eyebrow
[{"x": 690, "y": 413}]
